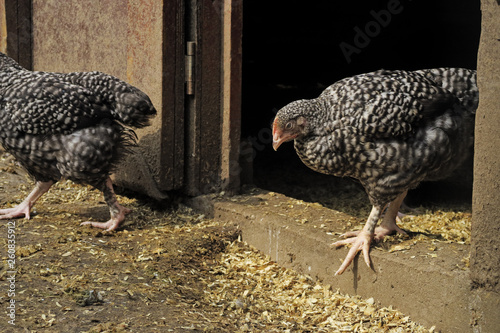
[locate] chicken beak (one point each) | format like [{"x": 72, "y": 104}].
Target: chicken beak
[{"x": 277, "y": 141}]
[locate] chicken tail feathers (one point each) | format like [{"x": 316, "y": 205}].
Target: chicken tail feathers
[{"x": 460, "y": 82}]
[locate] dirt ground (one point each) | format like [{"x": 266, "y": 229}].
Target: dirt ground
[{"x": 167, "y": 269}]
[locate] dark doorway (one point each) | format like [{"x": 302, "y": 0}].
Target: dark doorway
[{"x": 295, "y": 49}]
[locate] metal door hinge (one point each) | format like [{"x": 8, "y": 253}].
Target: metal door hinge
[{"x": 190, "y": 53}]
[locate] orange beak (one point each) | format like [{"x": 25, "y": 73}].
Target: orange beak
[
  {"x": 276, "y": 141},
  {"x": 277, "y": 133},
  {"x": 279, "y": 137}
]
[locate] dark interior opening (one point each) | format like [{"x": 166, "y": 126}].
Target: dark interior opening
[{"x": 295, "y": 49}]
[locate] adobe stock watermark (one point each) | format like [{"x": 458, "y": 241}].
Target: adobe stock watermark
[
  {"x": 363, "y": 36},
  {"x": 11, "y": 272}
]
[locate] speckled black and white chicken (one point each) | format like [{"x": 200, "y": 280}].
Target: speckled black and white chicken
[
  {"x": 73, "y": 126},
  {"x": 388, "y": 129}
]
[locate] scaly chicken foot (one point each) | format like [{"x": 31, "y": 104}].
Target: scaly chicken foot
[
  {"x": 362, "y": 243},
  {"x": 392, "y": 214},
  {"x": 114, "y": 222},
  {"x": 24, "y": 208},
  {"x": 117, "y": 211},
  {"x": 361, "y": 240}
]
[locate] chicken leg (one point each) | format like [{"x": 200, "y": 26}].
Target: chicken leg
[
  {"x": 117, "y": 211},
  {"x": 24, "y": 208},
  {"x": 361, "y": 240}
]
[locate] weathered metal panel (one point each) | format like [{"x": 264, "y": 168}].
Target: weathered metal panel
[{"x": 81, "y": 35}]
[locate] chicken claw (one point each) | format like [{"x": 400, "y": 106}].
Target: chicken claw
[
  {"x": 21, "y": 210},
  {"x": 112, "y": 223},
  {"x": 360, "y": 242},
  {"x": 24, "y": 208}
]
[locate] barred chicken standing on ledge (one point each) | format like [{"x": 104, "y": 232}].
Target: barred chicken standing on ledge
[
  {"x": 388, "y": 129},
  {"x": 68, "y": 126}
]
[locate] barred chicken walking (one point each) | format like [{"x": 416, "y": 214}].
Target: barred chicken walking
[
  {"x": 73, "y": 126},
  {"x": 388, "y": 129}
]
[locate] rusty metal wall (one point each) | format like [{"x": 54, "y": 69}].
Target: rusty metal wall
[{"x": 80, "y": 36}]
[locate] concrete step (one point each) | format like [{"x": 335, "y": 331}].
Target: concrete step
[{"x": 426, "y": 280}]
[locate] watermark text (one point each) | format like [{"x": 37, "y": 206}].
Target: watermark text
[{"x": 11, "y": 272}]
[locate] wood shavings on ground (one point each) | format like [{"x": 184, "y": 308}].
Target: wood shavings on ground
[
  {"x": 452, "y": 226},
  {"x": 167, "y": 269},
  {"x": 263, "y": 296}
]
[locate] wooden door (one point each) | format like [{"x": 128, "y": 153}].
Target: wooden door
[
  {"x": 212, "y": 114},
  {"x": 203, "y": 104},
  {"x": 173, "y": 96}
]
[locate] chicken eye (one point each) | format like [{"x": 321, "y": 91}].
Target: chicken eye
[{"x": 289, "y": 125}]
